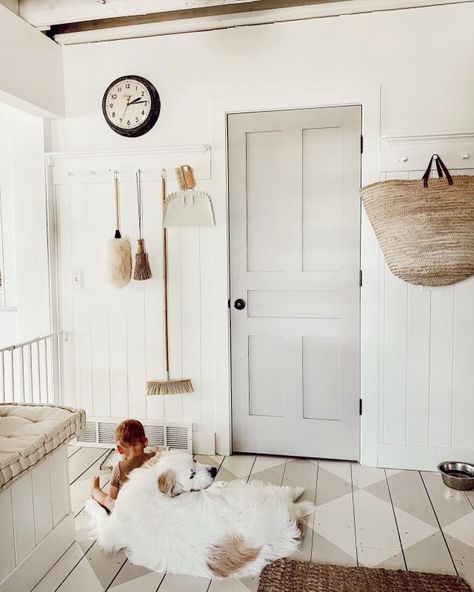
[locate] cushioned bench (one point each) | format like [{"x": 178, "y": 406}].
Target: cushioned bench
[{"x": 35, "y": 507}]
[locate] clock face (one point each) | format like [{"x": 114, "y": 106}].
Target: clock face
[{"x": 131, "y": 105}]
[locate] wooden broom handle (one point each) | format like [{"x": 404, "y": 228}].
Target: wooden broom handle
[{"x": 165, "y": 277}]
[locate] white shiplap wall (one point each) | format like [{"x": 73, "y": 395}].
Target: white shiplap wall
[
  {"x": 425, "y": 335},
  {"x": 116, "y": 335},
  {"x": 426, "y": 374}
]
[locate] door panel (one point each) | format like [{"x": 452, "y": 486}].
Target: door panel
[
  {"x": 321, "y": 199},
  {"x": 295, "y": 257},
  {"x": 269, "y": 205},
  {"x": 322, "y": 378}
]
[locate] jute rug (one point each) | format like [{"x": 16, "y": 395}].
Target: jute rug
[{"x": 296, "y": 576}]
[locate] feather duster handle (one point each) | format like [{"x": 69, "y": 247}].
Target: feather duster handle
[{"x": 118, "y": 262}]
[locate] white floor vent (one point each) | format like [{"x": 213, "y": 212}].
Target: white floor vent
[{"x": 100, "y": 433}]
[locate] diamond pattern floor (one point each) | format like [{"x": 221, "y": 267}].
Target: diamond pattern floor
[{"x": 364, "y": 516}]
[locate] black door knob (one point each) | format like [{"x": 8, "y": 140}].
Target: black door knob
[{"x": 239, "y": 304}]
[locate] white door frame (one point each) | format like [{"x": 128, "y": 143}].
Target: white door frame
[{"x": 369, "y": 99}]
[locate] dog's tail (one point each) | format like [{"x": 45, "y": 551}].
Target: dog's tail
[{"x": 101, "y": 527}]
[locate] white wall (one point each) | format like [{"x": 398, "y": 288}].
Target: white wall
[
  {"x": 419, "y": 57},
  {"x": 31, "y": 67},
  {"x": 25, "y": 307}
]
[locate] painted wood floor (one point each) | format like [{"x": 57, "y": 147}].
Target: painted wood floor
[{"x": 364, "y": 516}]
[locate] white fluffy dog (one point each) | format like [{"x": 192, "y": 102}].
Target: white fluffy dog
[{"x": 167, "y": 520}]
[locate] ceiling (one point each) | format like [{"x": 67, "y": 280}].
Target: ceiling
[{"x": 99, "y": 20}]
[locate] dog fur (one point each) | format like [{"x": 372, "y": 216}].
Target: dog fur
[{"x": 167, "y": 517}]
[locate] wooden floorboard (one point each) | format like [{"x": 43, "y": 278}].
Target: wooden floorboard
[
  {"x": 422, "y": 540},
  {"x": 455, "y": 515},
  {"x": 72, "y": 449},
  {"x": 80, "y": 462},
  {"x": 378, "y": 542},
  {"x": 301, "y": 472},
  {"x": 365, "y": 516},
  {"x": 134, "y": 578},
  {"x": 334, "y": 531}
]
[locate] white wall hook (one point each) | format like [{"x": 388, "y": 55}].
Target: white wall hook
[
  {"x": 404, "y": 159},
  {"x": 466, "y": 156}
]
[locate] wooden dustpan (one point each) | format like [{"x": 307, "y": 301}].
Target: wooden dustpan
[{"x": 188, "y": 207}]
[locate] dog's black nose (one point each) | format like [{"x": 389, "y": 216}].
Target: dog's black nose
[{"x": 212, "y": 471}]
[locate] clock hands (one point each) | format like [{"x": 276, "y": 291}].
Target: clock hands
[
  {"x": 126, "y": 106},
  {"x": 136, "y": 101}
]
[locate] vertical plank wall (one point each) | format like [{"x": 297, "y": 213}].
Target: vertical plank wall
[
  {"x": 426, "y": 335},
  {"x": 427, "y": 376},
  {"x": 116, "y": 335},
  {"x": 31, "y": 508}
]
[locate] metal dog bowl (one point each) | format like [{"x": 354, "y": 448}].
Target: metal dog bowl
[{"x": 457, "y": 475}]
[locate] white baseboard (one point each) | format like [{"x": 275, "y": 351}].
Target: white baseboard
[
  {"x": 26, "y": 575},
  {"x": 420, "y": 458}
]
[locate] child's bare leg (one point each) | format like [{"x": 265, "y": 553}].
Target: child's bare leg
[{"x": 100, "y": 496}]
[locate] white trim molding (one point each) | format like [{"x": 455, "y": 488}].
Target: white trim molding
[
  {"x": 421, "y": 458},
  {"x": 220, "y": 107},
  {"x": 95, "y": 167},
  {"x": 412, "y": 152}
]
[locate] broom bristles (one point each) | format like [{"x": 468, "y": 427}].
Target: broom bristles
[
  {"x": 169, "y": 387},
  {"x": 142, "y": 269}
]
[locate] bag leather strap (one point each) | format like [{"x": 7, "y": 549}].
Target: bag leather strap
[{"x": 440, "y": 167}]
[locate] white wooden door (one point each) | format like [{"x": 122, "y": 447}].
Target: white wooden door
[{"x": 294, "y": 180}]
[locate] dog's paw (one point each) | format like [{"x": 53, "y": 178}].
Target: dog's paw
[
  {"x": 93, "y": 508},
  {"x": 304, "y": 509},
  {"x": 217, "y": 485},
  {"x": 297, "y": 493}
]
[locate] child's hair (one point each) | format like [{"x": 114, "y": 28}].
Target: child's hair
[{"x": 129, "y": 432}]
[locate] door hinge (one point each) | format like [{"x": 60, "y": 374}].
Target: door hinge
[
  {"x": 360, "y": 278},
  {"x": 360, "y": 406},
  {"x": 361, "y": 144}
]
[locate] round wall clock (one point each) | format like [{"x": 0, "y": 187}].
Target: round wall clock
[{"x": 131, "y": 105}]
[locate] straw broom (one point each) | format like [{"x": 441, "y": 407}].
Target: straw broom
[
  {"x": 167, "y": 386},
  {"x": 142, "y": 269}
]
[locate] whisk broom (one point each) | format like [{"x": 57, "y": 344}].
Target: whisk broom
[
  {"x": 118, "y": 256},
  {"x": 142, "y": 269},
  {"x": 167, "y": 386}
]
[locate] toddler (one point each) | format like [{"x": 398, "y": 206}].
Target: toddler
[{"x": 131, "y": 443}]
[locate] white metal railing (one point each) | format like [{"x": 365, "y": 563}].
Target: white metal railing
[{"x": 30, "y": 372}]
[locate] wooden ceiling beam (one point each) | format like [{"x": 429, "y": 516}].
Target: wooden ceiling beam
[
  {"x": 45, "y": 13},
  {"x": 217, "y": 14},
  {"x": 192, "y": 13},
  {"x": 81, "y": 16}
]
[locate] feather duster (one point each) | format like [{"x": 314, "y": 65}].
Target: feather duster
[{"x": 119, "y": 262}]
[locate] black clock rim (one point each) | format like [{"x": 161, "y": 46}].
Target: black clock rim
[{"x": 152, "y": 118}]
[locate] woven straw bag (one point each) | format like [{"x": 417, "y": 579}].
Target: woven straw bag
[{"x": 425, "y": 228}]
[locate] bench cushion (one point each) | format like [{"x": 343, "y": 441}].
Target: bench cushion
[{"x": 28, "y": 432}]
